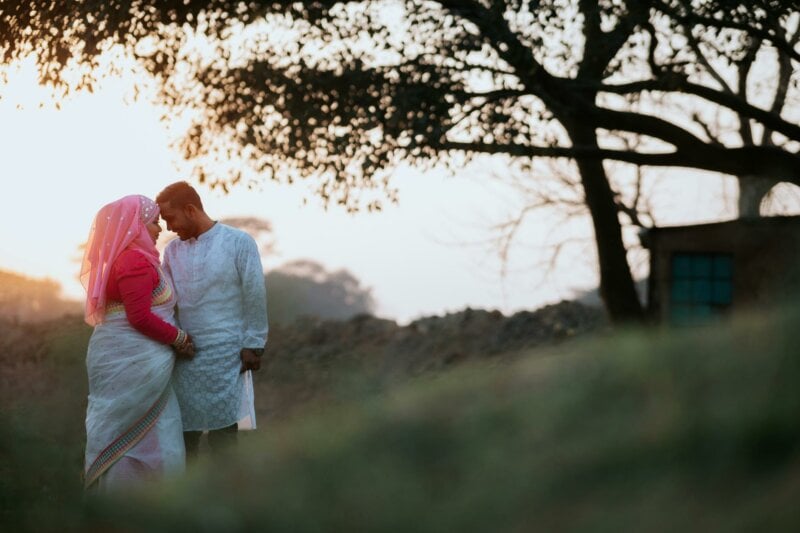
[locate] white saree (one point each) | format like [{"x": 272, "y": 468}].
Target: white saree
[{"x": 133, "y": 422}]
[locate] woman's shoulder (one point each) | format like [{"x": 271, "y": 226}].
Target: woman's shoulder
[{"x": 132, "y": 260}]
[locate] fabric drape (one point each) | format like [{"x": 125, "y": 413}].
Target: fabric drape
[{"x": 118, "y": 226}]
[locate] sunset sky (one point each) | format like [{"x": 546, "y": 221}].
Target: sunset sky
[{"x": 428, "y": 255}]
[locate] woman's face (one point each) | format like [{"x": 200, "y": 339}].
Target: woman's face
[{"x": 153, "y": 228}]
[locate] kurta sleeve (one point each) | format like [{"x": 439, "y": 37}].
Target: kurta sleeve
[
  {"x": 254, "y": 293},
  {"x": 135, "y": 279}
]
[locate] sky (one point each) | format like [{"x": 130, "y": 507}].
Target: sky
[{"x": 430, "y": 254}]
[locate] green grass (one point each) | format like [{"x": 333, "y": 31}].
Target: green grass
[
  {"x": 41, "y": 428},
  {"x": 695, "y": 430}
]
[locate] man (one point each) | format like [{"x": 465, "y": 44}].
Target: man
[{"x": 221, "y": 301}]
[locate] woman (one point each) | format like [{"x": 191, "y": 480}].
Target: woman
[{"x": 133, "y": 423}]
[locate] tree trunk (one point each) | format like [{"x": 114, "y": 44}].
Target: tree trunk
[
  {"x": 616, "y": 282},
  {"x": 752, "y": 190}
]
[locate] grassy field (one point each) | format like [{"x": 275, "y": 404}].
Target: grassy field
[{"x": 691, "y": 430}]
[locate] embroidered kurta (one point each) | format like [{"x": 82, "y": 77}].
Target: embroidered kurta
[{"x": 222, "y": 304}]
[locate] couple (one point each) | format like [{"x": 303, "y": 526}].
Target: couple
[{"x": 173, "y": 344}]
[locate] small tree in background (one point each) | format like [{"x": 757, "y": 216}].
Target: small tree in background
[
  {"x": 24, "y": 299},
  {"x": 305, "y": 288}
]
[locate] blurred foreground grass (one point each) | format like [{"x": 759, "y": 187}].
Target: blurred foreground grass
[
  {"x": 43, "y": 401},
  {"x": 650, "y": 431}
]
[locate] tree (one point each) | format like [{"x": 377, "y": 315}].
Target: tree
[
  {"x": 306, "y": 288},
  {"x": 736, "y": 72},
  {"x": 258, "y": 228},
  {"x": 343, "y": 92},
  {"x": 27, "y": 299}
]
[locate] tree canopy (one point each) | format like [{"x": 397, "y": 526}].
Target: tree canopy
[{"x": 345, "y": 92}]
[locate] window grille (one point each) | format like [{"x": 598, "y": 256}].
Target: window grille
[{"x": 701, "y": 287}]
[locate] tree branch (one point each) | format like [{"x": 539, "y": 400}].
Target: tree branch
[
  {"x": 693, "y": 18},
  {"x": 785, "y": 72},
  {"x": 755, "y": 161},
  {"x": 643, "y": 124},
  {"x": 499, "y": 94},
  {"x": 606, "y": 45},
  {"x": 712, "y": 137},
  {"x": 744, "y": 72},
  {"x": 730, "y": 101},
  {"x": 509, "y": 47},
  {"x": 703, "y": 60}
]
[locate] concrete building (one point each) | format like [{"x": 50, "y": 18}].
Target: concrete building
[{"x": 701, "y": 272}]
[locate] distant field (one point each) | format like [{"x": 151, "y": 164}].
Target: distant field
[{"x": 692, "y": 430}]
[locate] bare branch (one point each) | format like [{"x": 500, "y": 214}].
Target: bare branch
[
  {"x": 785, "y": 72},
  {"x": 754, "y": 161},
  {"x": 703, "y": 60},
  {"x": 691, "y": 18},
  {"x": 731, "y": 101},
  {"x": 712, "y": 137},
  {"x": 744, "y": 72}
]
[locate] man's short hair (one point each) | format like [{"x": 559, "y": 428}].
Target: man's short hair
[{"x": 180, "y": 194}]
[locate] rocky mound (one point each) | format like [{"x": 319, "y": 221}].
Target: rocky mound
[
  {"x": 311, "y": 361},
  {"x": 317, "y": 360}
]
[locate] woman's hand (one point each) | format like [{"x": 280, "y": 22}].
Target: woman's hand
[{"x": 183, "y": 346}]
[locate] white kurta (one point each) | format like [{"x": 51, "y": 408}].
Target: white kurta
[{"x": 222, "y": 304}]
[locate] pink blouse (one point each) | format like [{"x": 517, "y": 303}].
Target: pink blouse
[{"x": 132, "y": 282}]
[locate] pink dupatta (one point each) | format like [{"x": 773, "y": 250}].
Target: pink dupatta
[{"x": 118, "y": 226}]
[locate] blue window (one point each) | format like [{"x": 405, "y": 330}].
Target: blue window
[{"x": 701, "y": 287}]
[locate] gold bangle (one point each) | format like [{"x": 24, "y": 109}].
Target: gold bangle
[{"x": 180, "y": 339}]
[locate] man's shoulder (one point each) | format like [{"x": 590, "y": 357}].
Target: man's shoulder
[{"x": 231, "y": 232}]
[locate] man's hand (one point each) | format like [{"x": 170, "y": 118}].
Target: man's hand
[{"x": 250, "y": 361}]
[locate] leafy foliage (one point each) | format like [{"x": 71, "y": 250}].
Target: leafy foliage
[{"x": 346, "y": 91}]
